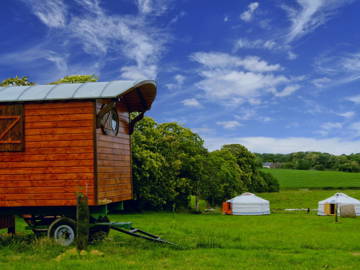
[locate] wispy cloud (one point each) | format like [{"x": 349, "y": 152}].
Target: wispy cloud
[
  {"x": 178, "y": 80},
  {"x": 101, "y": 35},
  {"x": 224, "y": 60},
  {"x": 229, "y": 124},
  {"x": 244, "y": 43},
  {"x": 349, "y": 114},
  {"x": 52, "y": 13},
  {"x": 41, "y": 59},
  {"x": 153, "y": 7},
  {"x": 321, "y": 82},
  {"x": 342, "y": 67},
  {"x": 334, "y": 145},
  {"x": 355, "y": 127},
  {"x": 191, "y": 102},
  {"x": 247, "y": 15},
  {"x": 327, "y": 127},
  {"x": 355, "y": 99},
  {"x": 287, "y": 91},
  {"x": 309, "y": 15}
]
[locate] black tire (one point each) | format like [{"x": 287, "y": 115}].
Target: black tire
[
  {"x": 63, "y": 231},
  {"x": 99, "y": 232}
]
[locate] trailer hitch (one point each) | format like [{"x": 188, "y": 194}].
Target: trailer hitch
[{"x": 126, "y": 227}]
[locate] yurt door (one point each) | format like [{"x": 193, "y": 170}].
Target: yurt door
[{"x": 329, "y": 209}]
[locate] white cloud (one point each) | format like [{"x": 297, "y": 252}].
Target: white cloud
[
  {"x": 287, "y": 91},
  {"x": 310, "y": 15},
  {"x": 153, "y": 7},
  {"x": 246, "y": 114},
  {"x": 179, "y": 81},
  {"x": 335, "y": 146},
  {"x": 101, "y": 35},
  {"x": 191, "y": 102},
  {"x": 328, "y": 126},
  {"x": 45, "y": 59},
  {"x": 234, "y": 80},
  {"x": 247, "y": 15},
  {"x": 321, "y": 82},
  {"x": 224, "y": 60},
  {"x": 292, "y": 56},
  {"x": 347, "y": 114},
  {"x": 244, "y": 43},
  {"x": 356, "y": 129},
  {"x": 271, "y": 45},
  {"x": 203, "y": 130},
  {"x": 228, "y": 124},
  {"x": 342, "y": 67},
  {"x": 237, "y": 84},
  {"x": 52, "y": 13},
  {"x": 355, "y": 99}
]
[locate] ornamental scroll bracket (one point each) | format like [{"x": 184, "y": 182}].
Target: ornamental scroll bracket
[{"x": 134, "y": 121}]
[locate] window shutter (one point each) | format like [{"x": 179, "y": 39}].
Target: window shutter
[{"x": 11, "y": 128}]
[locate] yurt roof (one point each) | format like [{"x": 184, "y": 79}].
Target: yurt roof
[
  {"x": 138, "y": 95},
  {"x": 247, "y": 198},
  {"x": 341, "y": 198}
]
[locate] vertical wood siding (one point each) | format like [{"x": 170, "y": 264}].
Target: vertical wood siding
[
  {"x": 114, "y": 162},
  {"x": 58, "y": 160}
]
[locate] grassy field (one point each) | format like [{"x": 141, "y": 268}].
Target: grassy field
[
  {"x": 282, "y": 240},
  {"x": 290, "y": 179},
  {"x": 278, "y": 241},
  {"x": 303, "y": 198}
]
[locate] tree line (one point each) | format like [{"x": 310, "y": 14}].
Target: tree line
[
  {"x": 312, "y": 161},
  {"x": 170, "y": 164}
]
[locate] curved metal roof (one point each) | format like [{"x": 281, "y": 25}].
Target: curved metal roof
[{"x": 91, "y": 90}]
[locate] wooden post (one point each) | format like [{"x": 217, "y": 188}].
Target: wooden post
[
  {"x": 11, "y": 229},
  {"x": 82, "y": 222},
  {"x": 336, "y": 213}
]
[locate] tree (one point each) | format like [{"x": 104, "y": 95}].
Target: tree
[
  {"x": 77, "y": 79},
  {"x": 255, "y": 180},
  {"x": 16, "y": 81},
  {"x": 223, "y": 177},
  {"x": 167, "y": 164}
]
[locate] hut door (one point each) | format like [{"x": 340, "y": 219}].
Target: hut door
[
  {"x": 11, "y": 128},
  {"x": 332, "y": 209}
]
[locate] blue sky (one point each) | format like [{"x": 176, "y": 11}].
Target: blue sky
[{"x": 276, "y": 76}]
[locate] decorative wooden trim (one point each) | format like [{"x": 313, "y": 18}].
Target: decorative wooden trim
[
  {"x": 17, "y": 119},
  {"x": 96, "y": 182},
  {"x": 12, "y": 128},
  {"x": 134, "y": 121},
  {"x": 142, "y": 99}
]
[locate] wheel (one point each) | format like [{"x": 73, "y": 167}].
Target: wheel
[
  {"x": 63, "y": 231},
  {"x": 99, "y": 232}
]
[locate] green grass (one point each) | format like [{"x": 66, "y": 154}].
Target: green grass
[
  {"x": 293, "y": 179},
  {"x": 277, "y": 241},
  {"x": 303, "y": 198}
]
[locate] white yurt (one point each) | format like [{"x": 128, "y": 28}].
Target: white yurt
[
  {"x": 327, "y": 206},
  {"x": 249, "y": 204}
]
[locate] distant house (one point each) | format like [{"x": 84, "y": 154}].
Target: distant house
[{"x": 268, "y": 165}]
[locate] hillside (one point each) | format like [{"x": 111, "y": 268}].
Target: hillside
[{"x": 294, "y": 179}]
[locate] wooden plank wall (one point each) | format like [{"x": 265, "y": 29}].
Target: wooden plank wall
[
  {"x": 58, "y": 160},
  {"x": 114, "y": 161}
]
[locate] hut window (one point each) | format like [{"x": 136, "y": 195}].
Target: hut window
[
  {"x": 109, "y": 120},
  {"x": 11, "y": 128}
]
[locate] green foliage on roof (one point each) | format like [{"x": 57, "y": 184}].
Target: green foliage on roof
[
  {"x": 16, "y": 81},
  {"x": 77, "y": 79}
]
